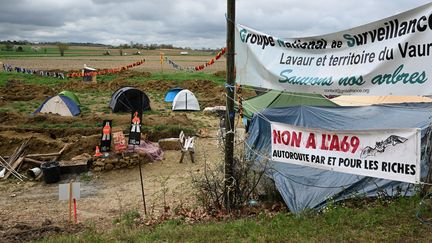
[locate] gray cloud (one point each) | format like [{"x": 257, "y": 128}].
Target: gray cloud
[{"x": 189, "y": 23}]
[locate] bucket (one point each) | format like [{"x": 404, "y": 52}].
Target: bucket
[
  {"x": 34, "y": 172},
  {"x": 51, "y": 172}
]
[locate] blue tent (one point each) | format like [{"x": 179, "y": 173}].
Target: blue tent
[
  {"x": 59, "y": 104},
  {"x": 171, "y": 94},
  {"x": 305, "y": 187}
]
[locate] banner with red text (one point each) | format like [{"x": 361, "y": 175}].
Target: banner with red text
[
  {"x": 392, "y": 154},
  {"x": 387, "y": 57}
]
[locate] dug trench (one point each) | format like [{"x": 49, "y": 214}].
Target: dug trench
[
  {"x": 81, "y": 139},
  {"x": 106, "y": 195}
]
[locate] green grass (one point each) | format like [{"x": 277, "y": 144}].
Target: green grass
[
  {"x": 171, "y": 129},
  {"x": 176, "y": 76},
  {"x": 20, "y": 106},
  {"x": 29, "y": 78},
  {"x": 183, "y": 76},
  {"x": 166, "y": 76},
  {"x": 48, "y": 51},
  {"x": 86, "y": 177},
  {"x": 59, "y": 125},
  {"x": 67, "y": 125},
  {"x": 395, "y": 222},
  {"x": 127, "y": 218}
]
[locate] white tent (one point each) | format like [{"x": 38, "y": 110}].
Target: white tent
[{"x": 185, "y": 100}]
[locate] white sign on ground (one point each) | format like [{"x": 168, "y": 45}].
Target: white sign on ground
[
  {"x": 392, "y": 154},
  {"x": 64, "y": 191},
  {"x": 387, "y": 57}
]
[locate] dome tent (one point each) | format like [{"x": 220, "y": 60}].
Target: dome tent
[
  {"x": 276, "y": 99},
  {"x": 185, "y": 100},
  {"x": 59, "y": 104},
  {"x": 171, "y": 94},
  {"x": 71, "y": 96},
  {"x": 129, "y": 99}
]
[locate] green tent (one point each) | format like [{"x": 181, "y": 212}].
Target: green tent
[
  {"x": 275, "y": 99},
  {"x": 71, "y": 96}
]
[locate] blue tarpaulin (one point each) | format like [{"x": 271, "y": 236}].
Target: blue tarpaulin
[{"x": 304, "y": 187}]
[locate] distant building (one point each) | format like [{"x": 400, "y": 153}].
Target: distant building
[{"x": 184, "y": 53}]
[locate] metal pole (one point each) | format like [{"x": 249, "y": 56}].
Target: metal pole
[
  {"x": 142, "y": 187},
  {"x": 229, "y": 116}
]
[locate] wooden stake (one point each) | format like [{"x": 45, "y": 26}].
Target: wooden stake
[{"x": 75, "y": 211}]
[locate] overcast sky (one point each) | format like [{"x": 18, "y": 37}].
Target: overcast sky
[{"x": 183, "y": 23}]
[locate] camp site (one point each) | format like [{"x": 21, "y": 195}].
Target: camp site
[{"x": 216, "y": 122}]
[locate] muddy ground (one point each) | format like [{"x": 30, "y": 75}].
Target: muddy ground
[{"x": 31, "y": 209}]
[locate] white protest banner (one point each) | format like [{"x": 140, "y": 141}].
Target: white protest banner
[
  {"x": 387, "y": 57},
  {"x": 392, "y": 154}
]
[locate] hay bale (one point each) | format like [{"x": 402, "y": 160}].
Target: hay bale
[{"x": 169, "y": 144}]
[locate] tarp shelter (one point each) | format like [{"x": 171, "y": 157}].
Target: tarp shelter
[
  {"x": 89, "y": 70},
  {"x": 171, "y": 94},
  {"x": 275, "y": 99},
  {"x": 345, "y": 100},
  {"x": 304, "y": 187},
  {"x": 71, "y": 96},
  {"x": 185, "y": 100},
  {"x": 59, "y": 104},
  {"x": 129, "y": 99}
]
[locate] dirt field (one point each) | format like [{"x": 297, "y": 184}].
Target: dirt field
[
  {"x": 31, "y": 209},
  {"x": 152, "y": 62}
]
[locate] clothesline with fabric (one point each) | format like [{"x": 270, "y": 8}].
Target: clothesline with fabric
[
  {"x": 105, "y": 71},
  {"x": 199, "y": 67},
  {"x": 10, "y": 68}
]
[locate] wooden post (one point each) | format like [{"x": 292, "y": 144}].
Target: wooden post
[
  {"x": 75, "y": 211},
  {"x": 161, "y": 60},
  {"x": 229, "y": 120},
  {"x": 428, "y": 181}
]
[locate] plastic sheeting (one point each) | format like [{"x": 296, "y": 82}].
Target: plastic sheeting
[
  {"x": 346, "y": 100},
  {"x": 305, "y": 187},
  {"x": 154, "y": 152}
]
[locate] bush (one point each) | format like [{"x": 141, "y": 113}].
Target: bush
[{"x": 247, "y": 175}]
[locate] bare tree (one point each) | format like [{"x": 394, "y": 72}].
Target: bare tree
[{"x": 62, "y": 48}]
